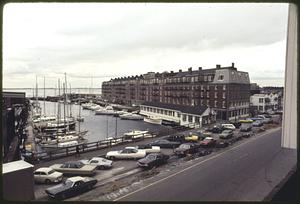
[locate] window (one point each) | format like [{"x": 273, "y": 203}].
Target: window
[
  {"x": 201, "y": 87},
  {"x": 216, "y": 103},
  {"x": 205, "y": 78},
  {"x": 207, "y": 94},
  {"x": 221, "y": 77},
  {"x": 224, "y": 96},
  {"x": 224, "y": 87},
  {"x": 223, "y": 104},
  {"x": 190, "y": 118},
  {"x": 216, "y": 87},
  {"x": 216, "y": 95},
  {"x": 261, "y": 100},
  {"x": 183, "y": 117},
  {"x": 201, "y": 102}
]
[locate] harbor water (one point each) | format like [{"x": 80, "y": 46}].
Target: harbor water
[{"x": 100, "y": 126}]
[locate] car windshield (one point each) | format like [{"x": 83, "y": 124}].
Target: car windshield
[
  {"x": 245, "y": 125},
  {"x": 184, "y": 146},
  {"x": 151, "y": 157},
  {"x": 68, "y": 183},
  {"x": 51, "y": 171}
]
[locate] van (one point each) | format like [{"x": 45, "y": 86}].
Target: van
[{"x": 228, "y": 126}]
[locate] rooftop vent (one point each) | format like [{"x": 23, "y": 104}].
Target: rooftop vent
[
  {"x": 218, "y": 66},
  {"x": 232, "y": 64},
  {"x": 200, "y": 68},
  {"x": 180, "y": 70},
  {"x": 190, "y": 69}
]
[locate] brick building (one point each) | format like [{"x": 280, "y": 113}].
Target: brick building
[{"x": 224, "y": 89}]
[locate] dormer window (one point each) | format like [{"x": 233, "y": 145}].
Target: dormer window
[{"x": 221, "y": 77}]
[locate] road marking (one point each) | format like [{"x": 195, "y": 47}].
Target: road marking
[{"x": 197, "y": 164}]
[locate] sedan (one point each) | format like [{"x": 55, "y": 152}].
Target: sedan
[
  {"x": 47, "y": 175},
  {"x": 99, "y": 162},
  {"x": 226, "y": 134},
  {"x": 71, "y": 187},
  {"x": 149, "y": 148},
  {"x": 75, "y": 168},
  {"x": 222, "y": 144},
  {"x": 127, "y": 153},
  {"x": 187, "y": 148},
  {"x": 258, "y": 123},
  {"x": 204, "y": 152},
  {"x": 165, "y": 143},
  {"x": 208, "y": 142},
  {"x": 153, "y": 160}
]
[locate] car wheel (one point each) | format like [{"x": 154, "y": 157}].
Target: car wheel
[
  {"x": 47, "y": 181},
  {"x": 101, "y": 167},
  {"x": 62, "y": 196},
  {"x": 112, "y": 158}
]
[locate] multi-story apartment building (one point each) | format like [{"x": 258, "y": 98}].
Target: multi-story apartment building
[
  {"x": 264, "y": 102},
  {"x": 223, "y": 89}
]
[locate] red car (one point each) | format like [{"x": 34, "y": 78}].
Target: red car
[{"x": 208, "y": 142}]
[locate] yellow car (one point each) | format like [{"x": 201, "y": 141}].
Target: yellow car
[{"x": 191, "y": 138}]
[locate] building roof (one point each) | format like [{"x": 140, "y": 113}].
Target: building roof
[
  {"x": 195, "y": 110},
  {"x": 15, "y": 166}
]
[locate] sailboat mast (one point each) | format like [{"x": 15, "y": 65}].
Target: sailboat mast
[
  {"x": 58, "y": 106},
  {"x": 70, "y": 103},
  {"x": 44, "y": 98},
  {"x": 64, "y": 104}
]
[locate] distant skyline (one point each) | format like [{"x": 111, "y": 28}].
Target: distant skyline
[{"x": 94, "y": 42}]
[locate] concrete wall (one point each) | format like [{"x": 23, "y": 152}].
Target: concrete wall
[{"x": 289, "y": 130}]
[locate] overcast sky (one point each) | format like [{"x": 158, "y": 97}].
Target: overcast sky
[{"x": 106, "y": 40}]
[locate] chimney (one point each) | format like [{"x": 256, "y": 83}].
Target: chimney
[
  {"x": 232, "y": 65},
  {"x": 172, "y": 72},
  {"x": 180, "y": 70},
  {"x": 200, "y": 68},
  {"x": 190, "y": 69},
  {"x": 218, "y": 66}
]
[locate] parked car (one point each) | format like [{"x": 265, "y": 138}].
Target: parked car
[
  {"x": 175, "y": 138},
  {"x": 47, "y": 175},
  {"x": 165, "y": 143},
  {"x": 149, "y": 148},
  {"x": 75, "y": 168},
  {"x": 187, "y": 148},
  {"x": 246, "y": 126},
  {"x": 99, "y": 162},
  {"x": 152, "y": 160},
  {"x": 126, "y": 153},
  {"x": 216, "y": 128},
  {"x": 258, "y": 123},
  {"x": 204, "y": 152},
  {"x": 247, "y": 134},
  {"x": 208, "y": 142},
  {"x": 71, "y": 187},
  {"x": 221, "y": 144},
  {"x": 266, "y": 119},
  {"x": 192, "y": 138},
  {"x": 226, "y": 134},
  {"x": 228, "y": 126}
]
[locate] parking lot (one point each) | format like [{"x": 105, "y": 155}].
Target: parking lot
[{"x": 126, "y": 168}]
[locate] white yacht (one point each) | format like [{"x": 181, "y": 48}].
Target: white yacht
[
  {"x": 108, "y": 110},
  {"x": 153, "y": 120},
  {"x": 131, "y": 116}
]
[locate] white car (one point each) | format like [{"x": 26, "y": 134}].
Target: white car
[
  {"x": 127, "y": 153},
  {"x": 149, "y": 148},
  {"x": 100, "y": 162},
  {"x": 228, "y": 126},
  {"x": 47, "y": 175}
]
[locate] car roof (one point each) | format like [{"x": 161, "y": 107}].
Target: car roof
[
  {"x": 209, "y": 138},
  {"x": 130, "y": 147},
  {"x": 76, "y": 178},
  {"x": 73, "y": 162},
  {"x": 44, "y": 169}
]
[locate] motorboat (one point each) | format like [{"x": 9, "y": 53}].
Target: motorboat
[
  {"x": 135, "y": 134},
  {"x": 87, "y": 105},
  {"x": 44, "y": 119},
  {"x": 153, "y": 120},
  {"x": 95, "y": 107},
  {"x": 108, "y": 110},
  {"x": 131, "y": 116}
]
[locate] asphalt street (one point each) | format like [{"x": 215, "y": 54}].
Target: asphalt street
[{"x": 246, "y": 172}]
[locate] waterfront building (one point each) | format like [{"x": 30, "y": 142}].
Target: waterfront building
[
  {"x": 223, "y": 89},
  {"x": 264, "y": 102}
]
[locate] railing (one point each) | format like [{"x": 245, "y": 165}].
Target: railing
[{"x": 93, "y": 146}]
